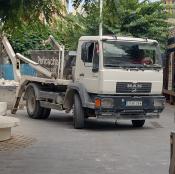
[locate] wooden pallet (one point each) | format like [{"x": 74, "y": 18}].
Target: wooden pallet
[
  {"x": 169, "y": 71},
  {"x": 170, "y": 96},
  {"x": 172, "y": 154}
]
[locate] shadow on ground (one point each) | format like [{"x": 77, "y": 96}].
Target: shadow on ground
[
  {"x": 95, "y": 125},
  {"x": 66, "y": 120}
]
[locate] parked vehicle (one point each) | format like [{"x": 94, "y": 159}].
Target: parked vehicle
[{"x": 110, "y": 78}]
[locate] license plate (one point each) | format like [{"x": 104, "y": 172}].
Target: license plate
[{"x": 133, "y": 103}]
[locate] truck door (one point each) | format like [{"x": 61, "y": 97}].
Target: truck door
[{"x": 90, "y": 70}]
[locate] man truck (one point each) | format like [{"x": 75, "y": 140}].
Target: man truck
[{"x": 110, "y": 78}]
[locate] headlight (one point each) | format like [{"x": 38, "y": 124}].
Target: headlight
[
  {"x": 159, "y": 103},
  {"x": 107, "y": 103}
]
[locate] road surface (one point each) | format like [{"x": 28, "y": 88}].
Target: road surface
[{"x": 54, "y": 147}]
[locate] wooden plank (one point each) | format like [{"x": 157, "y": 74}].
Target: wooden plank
[
  {"x": 173, "y": 56},
  {"x": 172, "y": 154},
  {"x": 169, "y": 92},
  {"x": 171, "y": 95},
  {"x": 170, "y": 72}
]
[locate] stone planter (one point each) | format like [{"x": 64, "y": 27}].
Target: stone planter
[{"x": 6, "y": 123}]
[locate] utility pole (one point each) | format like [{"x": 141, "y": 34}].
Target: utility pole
[{"x": 101, "y": 19}]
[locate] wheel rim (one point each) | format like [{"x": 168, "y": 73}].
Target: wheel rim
[{"x": 31, "y": 102}]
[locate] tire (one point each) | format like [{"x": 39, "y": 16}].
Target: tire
[
  {"x": 138, "y": 123},
  {"x": 46, "y": 113},
  {"x": 34, "y": 109},
  {"x": 78, "y": 118}
]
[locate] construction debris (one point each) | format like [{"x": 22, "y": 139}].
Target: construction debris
[{"x": 4, "y": 82}]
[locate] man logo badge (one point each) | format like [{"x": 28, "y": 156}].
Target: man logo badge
[
  {"x": 134, "y": 87},
  {"x": 134, "y": 90}
]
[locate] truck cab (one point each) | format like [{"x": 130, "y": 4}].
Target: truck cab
[{"x": 121, "y": 76}]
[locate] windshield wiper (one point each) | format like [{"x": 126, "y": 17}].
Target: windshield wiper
[
  {"x": 154, "y": 66},
  {"x": 115, "y": 65},
  {"x": 126, "y": 66},
  {"x": 143, "y": 66},
  {"x": 157, "y": 66},
  {"x": 133, "y": 66}
]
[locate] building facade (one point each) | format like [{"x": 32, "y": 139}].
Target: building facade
[
  {"x": 169, "y": 1},
  {"x": 170, "y": 8}
]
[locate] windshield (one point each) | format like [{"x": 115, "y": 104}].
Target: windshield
[{"x": 131, "y": 54}]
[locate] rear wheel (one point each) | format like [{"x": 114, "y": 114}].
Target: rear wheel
[
  {"x": 78, "y": 119},
  {"x": 138, "y": 123},
  {"x": 34, "y": 109}
]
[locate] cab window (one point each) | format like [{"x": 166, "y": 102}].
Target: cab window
[
  {"x": 90, "y": 54},
  {"x": 87, "y": 52}
]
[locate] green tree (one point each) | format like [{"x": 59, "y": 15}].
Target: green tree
[
  {"x": 65, "y": 31},
  {"x": 123, "y": 17},
  {"x": 21, "y": 19},
  {"x": 14, "y": 13}
]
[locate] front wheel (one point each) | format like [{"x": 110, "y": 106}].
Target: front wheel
[
  {"x": 78, "y": 118},
  {"x": 138, "y": 123}
]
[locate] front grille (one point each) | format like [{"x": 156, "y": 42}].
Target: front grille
[{"x": 129, "y": 87}]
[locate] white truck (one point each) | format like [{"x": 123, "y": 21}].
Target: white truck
[{"x": 110, "y": 78}]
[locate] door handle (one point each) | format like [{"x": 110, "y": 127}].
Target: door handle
[{"x": 81, "y": 74}]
